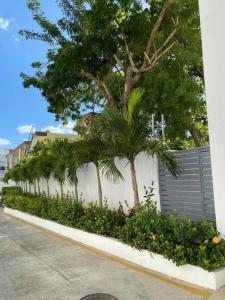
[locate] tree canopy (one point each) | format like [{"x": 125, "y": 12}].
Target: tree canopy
[{"x": 99, "y": 51}]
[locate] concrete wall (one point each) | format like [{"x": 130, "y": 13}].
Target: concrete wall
[
  {"x": 212, "y": 15},
  {"x": 147, "y": 172}
]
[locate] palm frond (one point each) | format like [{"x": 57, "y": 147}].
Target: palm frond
[
  {"x": 110, "y": 170},
  {"x": 134, "y": 100},
  {"x": 155, "y": 146}
]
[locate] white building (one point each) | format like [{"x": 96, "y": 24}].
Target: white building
[{"x": 3, "y": 165}]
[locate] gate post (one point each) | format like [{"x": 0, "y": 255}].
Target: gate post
[{"x": 212, "y": 14}]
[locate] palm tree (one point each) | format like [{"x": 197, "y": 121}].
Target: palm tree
[
  {"x": 71, "y": 165},
  {"x": 56, "y": 153},
  {"x": 92, "y": 149},
  {"x": 127, "y": 133},
  {"x": 45, "y": 162}
]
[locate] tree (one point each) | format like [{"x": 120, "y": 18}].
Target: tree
[
  {"x": 56, "y": 154},
  {"x": 92, "y": 149},
  {"x": 175, "y": 87},
  {"x": 71, "y": 165},
  {"x": 96, "y": 51},
  {"x": 128, "y": 134},
  {"x": 45, "y": 161}
]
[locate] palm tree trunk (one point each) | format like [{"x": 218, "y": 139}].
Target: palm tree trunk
[
  {"x": 48, "y": 192},
  {"x": 39, "y": 190},
  {"x": 76, "y": 187},
  {"x": 134, "y": 184},
  {"x": 76, "y": 191},
  {"x": 99, "y": 185},
  {"x": 35, "y": 190},
  {"x": 61, "y": 189}
]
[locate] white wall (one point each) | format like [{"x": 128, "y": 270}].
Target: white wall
[
  {"x": 2, "y": 184},
  {"x": 147, "y": 172},
  {"x": 212, "y": 14}
]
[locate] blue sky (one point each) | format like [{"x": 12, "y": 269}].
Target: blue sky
[{"x": 21, "y": 108}]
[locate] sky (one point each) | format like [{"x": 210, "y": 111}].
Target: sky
[{"x": 22, "y": 108}]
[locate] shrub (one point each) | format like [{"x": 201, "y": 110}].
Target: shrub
[
  {"x": 66, "y": 211},
  {"x": 177, "y": 238},
  {"x": 103, "y": 220},
  {"x": 11, "y": 190}
]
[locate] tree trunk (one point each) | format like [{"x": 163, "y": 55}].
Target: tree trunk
[
  {"x": 134, "y": 184},
  {"x": 48, "y": 192},
  {"x": 76, "y": 188},
  {"x": 76, "y": 191},
  {"x": 195, "y": 135},
  {"x": 99, "y": 185},
  {"x": 39, "y": 190},
  {"x": 61, "y": 189},
  {"x": 35, "y": 190}
]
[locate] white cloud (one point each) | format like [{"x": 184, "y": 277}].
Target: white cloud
[
  {"x": 25, "y": 129},
  {"x": 4, "y": 142},
  {"x": 64, "y": 129},
  {"x": 4, "y": 24}
]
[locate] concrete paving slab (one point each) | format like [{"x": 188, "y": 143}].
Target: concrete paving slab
[{"x": 37, "y": 265}]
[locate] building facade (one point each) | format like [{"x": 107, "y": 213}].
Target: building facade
[
  {"x": 3, "y": 163},
  {"x": 47, "y": 135},
  {"x": 14, "y": 156}
]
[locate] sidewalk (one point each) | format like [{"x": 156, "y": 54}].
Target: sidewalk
[{"x": 37, "y": 265}]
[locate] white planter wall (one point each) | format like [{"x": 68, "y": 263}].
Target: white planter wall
[
  {"x": 191, "y": 274},
  {"x": 147, "y": 172}
]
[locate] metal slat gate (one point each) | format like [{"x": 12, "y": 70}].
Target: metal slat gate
[{"x": 191, "y": 193}]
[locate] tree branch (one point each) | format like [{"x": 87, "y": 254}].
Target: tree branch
[
  {"x": 118, "y": 61},
  {"x": 101, "y": 85},
  {"x": 157, "y": 25},
  {"x": 153, "y": 63},
  {"x": 129, "y": 53},
  {"x": 161, "y": 49}
]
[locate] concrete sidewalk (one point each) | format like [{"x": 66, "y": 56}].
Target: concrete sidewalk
[{"x": 37, "y": 265}]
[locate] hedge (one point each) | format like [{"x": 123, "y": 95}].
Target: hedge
[
  {"x": 177, "y": 238},
  {"x": 7, "y": 190}
]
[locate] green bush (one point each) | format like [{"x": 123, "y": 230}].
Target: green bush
[
  {"x": 103, "y": 220},
  {"x": 11, "y": 190},
  {"x": 179, "y": 239}
]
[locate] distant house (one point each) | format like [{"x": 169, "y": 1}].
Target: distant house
[
  {"x": 14, "y": 156},
  {"x": 47, "y": 135},
  {"x": 3, "y": 166},
  {"x": 3, "y": 162}
]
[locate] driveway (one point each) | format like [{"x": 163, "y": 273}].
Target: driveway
[{"x": 35, "y": 264}]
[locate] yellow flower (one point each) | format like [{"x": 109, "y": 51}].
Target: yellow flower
[
  {"x": 216, "y": 239},
  {"x": 154, "y": 237},
  {"x": 206, "y": 241}
]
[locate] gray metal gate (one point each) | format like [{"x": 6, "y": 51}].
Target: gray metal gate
[{"x": 191, "y": 193}]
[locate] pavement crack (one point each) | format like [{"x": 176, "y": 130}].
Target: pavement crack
[{"x": 40, "y": 259}]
